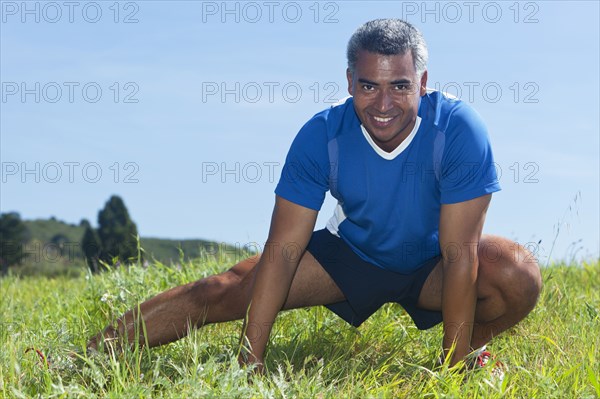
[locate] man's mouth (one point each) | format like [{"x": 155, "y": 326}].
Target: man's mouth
[{"x": 382, "y": 121}]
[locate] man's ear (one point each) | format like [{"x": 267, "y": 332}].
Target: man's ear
[
  {"x": 423, "y": 84},
  {"x": 350, "y": 80}
]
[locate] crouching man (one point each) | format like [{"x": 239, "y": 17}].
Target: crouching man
[{"x": 413, "y": 174}]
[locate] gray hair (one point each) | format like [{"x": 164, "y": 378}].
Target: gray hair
[{"x": 388, "y": 37}]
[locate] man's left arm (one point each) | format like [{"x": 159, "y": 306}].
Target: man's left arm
[{"x": 460, "y": 230}]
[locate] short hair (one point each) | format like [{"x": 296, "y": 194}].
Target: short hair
[{"x": 388, "y": 37}]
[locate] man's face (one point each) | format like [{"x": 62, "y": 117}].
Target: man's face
[{"x": 386, "y": 91}]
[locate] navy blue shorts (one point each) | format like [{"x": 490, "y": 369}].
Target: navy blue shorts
[{"x": 366, "y": 286}]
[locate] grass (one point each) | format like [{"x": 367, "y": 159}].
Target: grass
[{"x": 313, "y": 354}]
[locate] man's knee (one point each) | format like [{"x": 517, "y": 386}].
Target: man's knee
[
  {"x": 527, "y": 275},
  {"x": 514, "y": 271},
  {"x": 531, "y": 282},
  {"x": 210, "y": 290},
  {"x": 223, "y": 294}
]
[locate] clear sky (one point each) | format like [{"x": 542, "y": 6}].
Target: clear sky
[{"x": 186, "y": 109}]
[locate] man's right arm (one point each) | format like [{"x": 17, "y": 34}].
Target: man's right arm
[{"x": 291, "y": 228}]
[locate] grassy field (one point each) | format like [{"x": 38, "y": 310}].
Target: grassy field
[{"x": 554, "y": 353}]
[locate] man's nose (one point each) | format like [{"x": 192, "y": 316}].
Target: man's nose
[{"x": 384, "y": 101}]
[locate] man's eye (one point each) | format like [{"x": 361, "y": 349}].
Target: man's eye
[
  {"x": 403, "y": 87},
  {"x": 367, "y": 87}
]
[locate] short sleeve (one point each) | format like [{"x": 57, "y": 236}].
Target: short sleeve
[
  {"x": 467, "y": 168},
  {"x": 305, "y": 175}
]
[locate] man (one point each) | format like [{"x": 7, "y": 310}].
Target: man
[{"x": 413, "y": 174}]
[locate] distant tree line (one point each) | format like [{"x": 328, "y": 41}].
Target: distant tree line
[
  {"x": 13, "y": 235},
  {"x": 114, "y": 242}
]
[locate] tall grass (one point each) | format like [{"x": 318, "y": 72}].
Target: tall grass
[{"x": 551, "y": 354}]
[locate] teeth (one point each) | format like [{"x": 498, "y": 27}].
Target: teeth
[{"x": 382, "y": 120}]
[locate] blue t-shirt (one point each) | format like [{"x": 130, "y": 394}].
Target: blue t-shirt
[{"x": 389, "y": 204}]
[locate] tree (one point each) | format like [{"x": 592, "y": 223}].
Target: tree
[
  {"x": 13, "y": 235},
  {"x": 59, "y": 239},
  {"x": 117, "y": 232},
  {"x": 90, "y": 246}
]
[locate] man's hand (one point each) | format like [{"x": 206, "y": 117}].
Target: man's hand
[
  {"x": 291, "y": 229},
  {"x": 246, "y": 358},
  {"x": 460, "y": 230}
]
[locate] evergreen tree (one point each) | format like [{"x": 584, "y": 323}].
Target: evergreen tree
[
  {"x": 117, "y": 232},
  {"x": 13, "y": 234},
  {"x": 90, "y": 245}
]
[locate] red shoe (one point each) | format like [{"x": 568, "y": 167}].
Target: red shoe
[{"x": 481, "y": 360}]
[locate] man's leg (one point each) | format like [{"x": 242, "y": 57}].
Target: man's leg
[
  {"x": 219, "y": 298},
  {"x": 508, "y": 286}
]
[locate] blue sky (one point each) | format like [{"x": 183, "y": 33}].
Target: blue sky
[{"x": 186, "y": 109}]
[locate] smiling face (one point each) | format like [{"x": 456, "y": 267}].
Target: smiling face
[{"x": 386, "y": 91}]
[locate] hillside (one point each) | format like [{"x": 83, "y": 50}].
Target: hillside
[{"x": 52, "y": 232}]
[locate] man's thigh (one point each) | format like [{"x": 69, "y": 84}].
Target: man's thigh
[
  {"x": 312, "y": 285},
  {"x": 497, "y": 260},
  {"x": 431, "y": 293}
]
